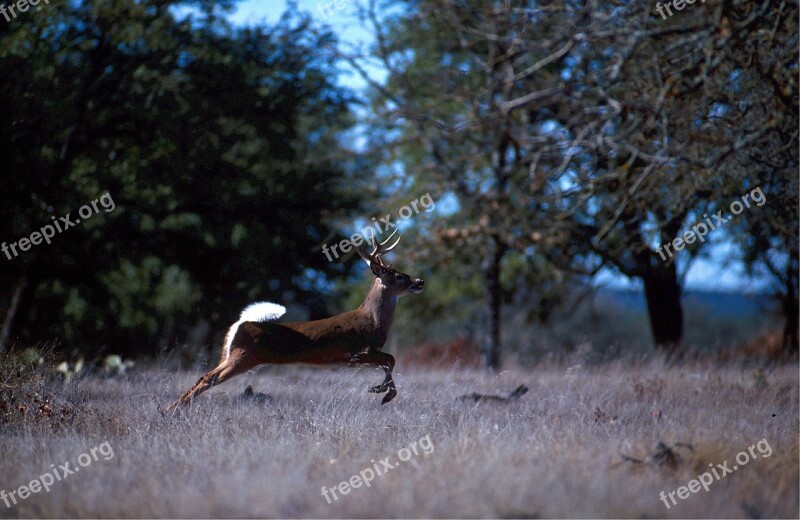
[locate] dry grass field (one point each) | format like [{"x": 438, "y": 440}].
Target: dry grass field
[{"x": 555, "y": 452}]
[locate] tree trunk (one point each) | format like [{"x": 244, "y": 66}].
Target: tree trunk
[
  {"x": 791, "y": 338},
  {"x": 663, "y": 294},
  {"x": 491, "y": 349},
  {"x": 11, "y": 314}
]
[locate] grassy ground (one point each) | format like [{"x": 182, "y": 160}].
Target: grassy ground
[{"x": 555, "y": 452}]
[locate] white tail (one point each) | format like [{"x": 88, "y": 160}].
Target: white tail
[
  {"x": 258, "y": 312},
  {"x": 262, "y": 311}
]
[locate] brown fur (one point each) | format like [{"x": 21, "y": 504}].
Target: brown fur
[{"x": 354, "y": 338}]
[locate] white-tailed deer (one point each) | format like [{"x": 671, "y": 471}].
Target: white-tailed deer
[{"x": 353, "y": 338}]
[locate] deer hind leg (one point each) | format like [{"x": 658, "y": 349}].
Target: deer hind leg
[
  {"x": 229, "y": 368},
  {"x": 384, "y": 361},
  {"x": 238, "y": 359}
]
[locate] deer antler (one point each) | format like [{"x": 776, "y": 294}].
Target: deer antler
[{"x": 378, "y": 249}]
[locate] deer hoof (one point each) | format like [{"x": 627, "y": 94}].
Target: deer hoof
[{"x": 388, "y": 397}]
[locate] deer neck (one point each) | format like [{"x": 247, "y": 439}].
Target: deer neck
[{"x": 379, "y": 305}]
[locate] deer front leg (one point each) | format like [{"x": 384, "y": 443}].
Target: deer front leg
[{"x": 384, "y": 361}]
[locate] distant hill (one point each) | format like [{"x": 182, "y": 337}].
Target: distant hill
[
  {"x": 712, "y": 319},
  {"x": 718, "y": 303}
]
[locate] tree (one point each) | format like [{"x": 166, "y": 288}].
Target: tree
[
  {"x": 208, "y": 139},
  {"x": 582, "y": 133},
  {"x": 681, "y": 104}
]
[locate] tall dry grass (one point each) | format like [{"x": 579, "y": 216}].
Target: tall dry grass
[{"x": 556, "y": 452}]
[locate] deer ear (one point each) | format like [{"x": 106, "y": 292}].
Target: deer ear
[{"x": 376, "y": 269}]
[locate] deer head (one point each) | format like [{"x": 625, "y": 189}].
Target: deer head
[{"x": 399, "y": 284}]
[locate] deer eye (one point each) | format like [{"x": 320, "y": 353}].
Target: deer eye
[{"x": 398, "y": 277}]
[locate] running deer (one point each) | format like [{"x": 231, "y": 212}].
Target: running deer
[{"x": 354, "y": 338}]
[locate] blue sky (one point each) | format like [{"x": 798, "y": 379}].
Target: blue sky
[
  {"x": 343, "y": 21},
  {"x": 703, "y": 273}
]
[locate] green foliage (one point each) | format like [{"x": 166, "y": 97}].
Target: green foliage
[{"x": 209, "y": 140}]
